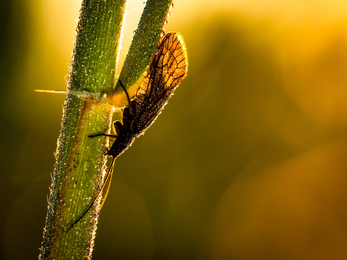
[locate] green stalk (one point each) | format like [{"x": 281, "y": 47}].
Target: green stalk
[
  {"x": 144, "y": 44},
  {"x": 80, "y": 160}
]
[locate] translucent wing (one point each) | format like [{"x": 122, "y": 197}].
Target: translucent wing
[{"x": 167, "y": 70}]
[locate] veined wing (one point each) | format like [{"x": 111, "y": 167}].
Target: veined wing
[{"x": 167, "y": 70}]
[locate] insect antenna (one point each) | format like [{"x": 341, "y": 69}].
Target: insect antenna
[
  {"x": 108, "y": 176},
  {"x": 108, "y": 179},
  {"x": 108, "y": 135}
]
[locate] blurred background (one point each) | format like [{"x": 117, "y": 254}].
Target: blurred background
[{"x": 248, "y": 160}]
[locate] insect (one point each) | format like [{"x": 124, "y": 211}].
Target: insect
[{"x": 167, "y": 70}]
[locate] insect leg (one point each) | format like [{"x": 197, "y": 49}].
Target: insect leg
[
  {"x": 108, "y": 135},
  {"x": 126, "y": 92},
  {"x": 117, "y": 129}
]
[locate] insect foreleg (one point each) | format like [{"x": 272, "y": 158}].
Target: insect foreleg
[{"x": 108, "y": 135}]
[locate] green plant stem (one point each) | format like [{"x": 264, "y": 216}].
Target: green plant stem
[
  {"x": 80, "y": 160},
  {"x": 144, "y": 43}
]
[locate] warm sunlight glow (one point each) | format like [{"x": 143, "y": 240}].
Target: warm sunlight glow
[{"x": 247, "y": 162}]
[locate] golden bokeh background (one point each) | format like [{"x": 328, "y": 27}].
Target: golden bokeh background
[{"x": 248, "y": 161}]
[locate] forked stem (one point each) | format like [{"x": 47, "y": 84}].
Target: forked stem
[{"x": 80, "y": 162}]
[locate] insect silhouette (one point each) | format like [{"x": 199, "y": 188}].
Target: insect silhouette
[{"x": 167, "y": 70}]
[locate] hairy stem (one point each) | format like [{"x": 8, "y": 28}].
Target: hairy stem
[{"x": 80, "y": 161}]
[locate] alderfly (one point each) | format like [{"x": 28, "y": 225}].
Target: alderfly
[{"x": 167, "y": 70}]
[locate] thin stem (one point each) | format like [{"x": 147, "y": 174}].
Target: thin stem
[{"x": 80, "y": 160}]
